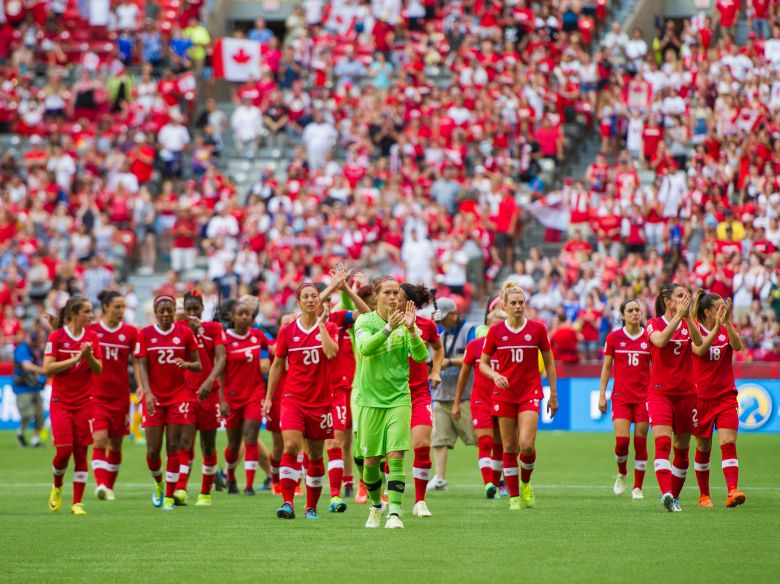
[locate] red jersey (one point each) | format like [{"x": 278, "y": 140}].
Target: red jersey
[
  {"x": 209, "y": 336},
  {"x": 243, "y": 375},
  {"x": 342, "y": 367},
  {"x": 418, "y": 372},
  {"x": 517, "y": 353},
  {"x": 161, "y": 349},
  {"x": 112, "y": 386},
  {"x": 72, "y": 388},
  {"x": 308, "y": 380},
  {"x": 714, "y": 372},
  {"x": 483, "y": 387},
  {"x": 631, "y": 365},
  {"x": 672, "y": 370}
]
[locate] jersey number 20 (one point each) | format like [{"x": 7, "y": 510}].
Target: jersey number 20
[{"x": 311, "y": 356}]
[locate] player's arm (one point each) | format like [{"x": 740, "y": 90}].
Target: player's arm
[
  {"x": 142, "y": 366},
  {"x": 460, "y": 387},
  {"x": 348, "y": 293},
  {"x": 193, "y": 364},
  {"x": 438, "y": 360},
  {"x": 329, "y": 345},
  {"x": 549, "y": 367},
  {"x": 93, "y": 360},
  {"x": 371, "y": 343},
  {"x": 216, "y": 372},
  {"x": 606, "y": 371},
  {"x": 702, "y": 349},
  {"x": 418, "y": 350},
  {"x": 487, "y": 371},
  {"x": 661, "y": 338},
  {"x": 734, "y": 340},
  {"x": 273, "y": 380},
  {"x": 52, "y": 367}
]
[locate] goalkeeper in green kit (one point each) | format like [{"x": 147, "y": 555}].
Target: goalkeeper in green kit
[{"x": 385, "y": 339}]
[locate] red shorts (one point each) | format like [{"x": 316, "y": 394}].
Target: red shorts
[
  {"x": 482, "y": 415},
  {"x": 207, "y": 416},
  {"x": 722, "y": 413},
  {"x": 177, "y": 414},
  {"x": 272, "y": 421},
  {"x": 511, "y": 410},
  {"x": 316, "y": 423},
  {"x": 342, "y": 412},
  {"x": 115, "y": 420},
  {"x": 71, "y": 426},
  {"x": 249, "y": 410},
  {"x": 672, "y": 410},
  {"x": 422, "y": 413},
  {"x": 636, "y": 413}
]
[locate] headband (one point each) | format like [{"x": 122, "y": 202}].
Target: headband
[
  {"x": 164, "y": 298},
  {"x": 492, "y": 305},
  {"x": 301, "y": 287}
]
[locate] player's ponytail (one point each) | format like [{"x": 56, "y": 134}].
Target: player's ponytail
[
  {"x": 702, "y": 302},
  {"x": 418, "y": 294},
  {"x": 665, "y": 293},
  {"x": 510, "y": 287},
  {"x": 106, "y": 297}
]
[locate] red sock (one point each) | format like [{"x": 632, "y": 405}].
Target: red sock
[
  {"x": 289, "y": 475},
  {"x": 348, "y": 481},
  {"x": 315, "y": 476},
  {"x": 80, "y": 472},
  {"x": 335, "y": 470},
  {"x": 663, "y": 469},
  {"x": 60, "y": 463},
  {"x": 421, "y": 470},
  {"x": 510, "y": 473},
  {"x": 701, "y": 464},
  {"x": 171, "y": 473},
  {"x": 190, "y": 459},
  {"x": 155, "y": 467},
  {"x": 527, "y": 466},
  {"x": 484, "y": 448},
  {"x": 100, "y": 466},
  {"x": 231, "y": 461},
  {"x": 251, "y": 456},
  {"x": 114, "y": 461},
  {"x": 679, "y": 470},
  {"x": 275, "y": 471},
  {"x": 184, "y": 470},
  {"x": 497, "y": 463},
  {"x": 621, "y": 453},
  {"x": 730, "y": 465},
  {"x": 640, "y": 461},
  {"x": 209, "y": 472}
]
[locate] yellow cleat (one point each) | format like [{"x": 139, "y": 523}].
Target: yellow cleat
[
  {"x": 529, "y": 499},
  {"x": 515, "y": 504},
  {"x": 203, "y": 500},
  {"x": 55, "y": 499},
  {"x": 77, "y": 509}
]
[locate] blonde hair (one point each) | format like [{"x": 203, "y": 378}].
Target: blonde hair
[{"x": 510, "y": 287}]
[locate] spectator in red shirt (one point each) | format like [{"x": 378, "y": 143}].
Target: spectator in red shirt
[
  {"x": 652, "y": 136},
  {"x": 589, "y": 320},
  {"x": 729, "y": 16},
  {"x": 578, "y": 247},
  {"x": 185, "y": 232},
  {"x": 507, "y": 226},
  {"x": 550, "y": 140},
  {"x": 564, "y": 341},
  {"x": 758, "y": 17}
]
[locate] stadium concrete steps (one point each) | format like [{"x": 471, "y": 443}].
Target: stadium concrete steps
[{"x": 145, "y": 287}]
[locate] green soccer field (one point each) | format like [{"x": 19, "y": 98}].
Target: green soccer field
[{"x": 579, "y": 532}]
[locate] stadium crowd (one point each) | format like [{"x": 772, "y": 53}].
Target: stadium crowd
[{"x": 118, "y": 165}]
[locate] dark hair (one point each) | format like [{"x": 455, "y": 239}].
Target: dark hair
[
  {"x": 418, "y": 294},
  {"x": 703, "y": 301},
  {"x": 194, "y": 296},
  {"x": 665, "y": 292},
  {"x": 106, "y": 297},
  {"x": 623, "y": 306},
  {"x": 304, "y": 286},
  {"x": 491, "y": 305},
  {"x": 365, "y": 291},
  {"x": 72, "y": 306},
  {"x": 223, "y": 312}
]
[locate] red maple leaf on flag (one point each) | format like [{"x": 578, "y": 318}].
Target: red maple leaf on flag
[{"x": 241, "y": 57}]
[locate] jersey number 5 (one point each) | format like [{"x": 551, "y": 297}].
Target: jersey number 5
[{"x": 311, "y": 356}]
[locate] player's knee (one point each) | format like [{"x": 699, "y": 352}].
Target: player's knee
[
  {"x": 527, "y": 449},
  {"x": 729, "y": 440}
]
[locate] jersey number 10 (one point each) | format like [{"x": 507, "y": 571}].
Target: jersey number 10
[{"x": 517, "y": 355}]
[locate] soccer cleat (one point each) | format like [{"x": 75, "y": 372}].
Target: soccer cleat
[
  {"x": 676, "y": 505},
  {"x": 220, "y": 481},
  {"x": 374, "y": 517},
  {"x": 515, "y": 503},
  {"x": 100, "y": 492},
  {"x": 204, "y": 500},
  {"x": 393, "y": 522},
  {"x": 249, "y": 492},
  {"x": 157, "y": 495},
  {"x": 421, "y": 510},
  {"x": 276, "y": 489},
  {"x": 436, "y": 484},
  {"x": 110, "y": 495},
  {"x": 668, "y": 502},
  {"x": 636, "y": 494},
  {"x": 705, "y": 501},
  {"x": 232, "y": 488},
  {"x": 20, "y": 440},
  {"x": 266, "y": 486},
  {"x": 168, "y": 504},
  {"x": 527, "y": 494},
  {"x": 311, "y": 513},
  {"x": 77, "y": 509},
  {"x": 180, "y": 498},
  {"x": 348, "y": 490},
  {"x": 361, "y": 497},
  {"x": 620, "y": 485},
  {"x": 55, "y": 499},
  {"x": 735, "y": 498},
  {"x": 490, "y": 491},
  {"x": 503, "y": 491},
  {"x": 337, "y": 505},
  {"x": 286, "y": 511}
]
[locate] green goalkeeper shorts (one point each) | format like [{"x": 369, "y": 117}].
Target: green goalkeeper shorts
[{"x": 383, "y": 430}]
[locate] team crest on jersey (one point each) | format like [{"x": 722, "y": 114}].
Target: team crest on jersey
[
  {"x": 100, "y": 335},
  {"x": 721, "y": 338},
  {"x": 122, "y": 337},
  {"x": 527, "y": 337},
  {"x": 622, "y": 343},
  {"x": 684, "y": 332},
  {"x": 643, "y": 345},
  {"x": 254, "y": 339},
  {"x": 318, "y": 337},
  {"x": 495, "y": 407},
  {"x": 504, "y": 338},
  {"x": 296, "y": 339},
  {"x": 176, "y": 340},
  {"x": 154, "y": 340},
  {"x": 235, "y": 343}
]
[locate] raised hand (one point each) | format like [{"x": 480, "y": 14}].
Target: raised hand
[
  {"x": 323, "y": 319},
  {"x": 684, "y": 306},
  {"x": 395, "y": 319},
  {"x": 410, "y": 315}
]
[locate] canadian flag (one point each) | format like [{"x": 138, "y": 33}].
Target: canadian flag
[
  {"x": 237, "y": 59},
  {"x": 550, "y": 211}
]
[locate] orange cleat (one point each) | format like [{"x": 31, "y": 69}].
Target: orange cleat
[
  {"x": 361, "y": 496},
  {"x": 705, "y": 501},
  {"x": 276, "y": 489},
  {"x": 735, "y": 498}
]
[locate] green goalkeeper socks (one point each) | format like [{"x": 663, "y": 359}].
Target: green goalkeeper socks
[
  {"x": 372, "y": 478},
  {"x": 396, "y": 483}
]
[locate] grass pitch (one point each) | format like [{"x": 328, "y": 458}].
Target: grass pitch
[{"x": 579, "y": 532}]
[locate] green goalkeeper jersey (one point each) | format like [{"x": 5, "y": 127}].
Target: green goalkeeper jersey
[{"x": 384, "y": 362}]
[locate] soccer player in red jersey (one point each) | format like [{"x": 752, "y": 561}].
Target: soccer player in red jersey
[
  {"x": 72, "y": 358},
  {"x": 111, "y": 400},
  {"x": 419, "y": 382},
  {"x": 516, "y": 344},
  {"x": 489, "y": 447},
  {"x": 243, "y": 388},
  {"x": 342, "y": 373},
  {"x": 207, "y": 400},
  {"x": 671, "y": 397},
  {"x": 164, "y": 353},
  {"x": 272, "y": 419},
  {"x": 628, "y": 350},
  {"x": 716, "y": 403},
  {"x": 305, "y": 347}
]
